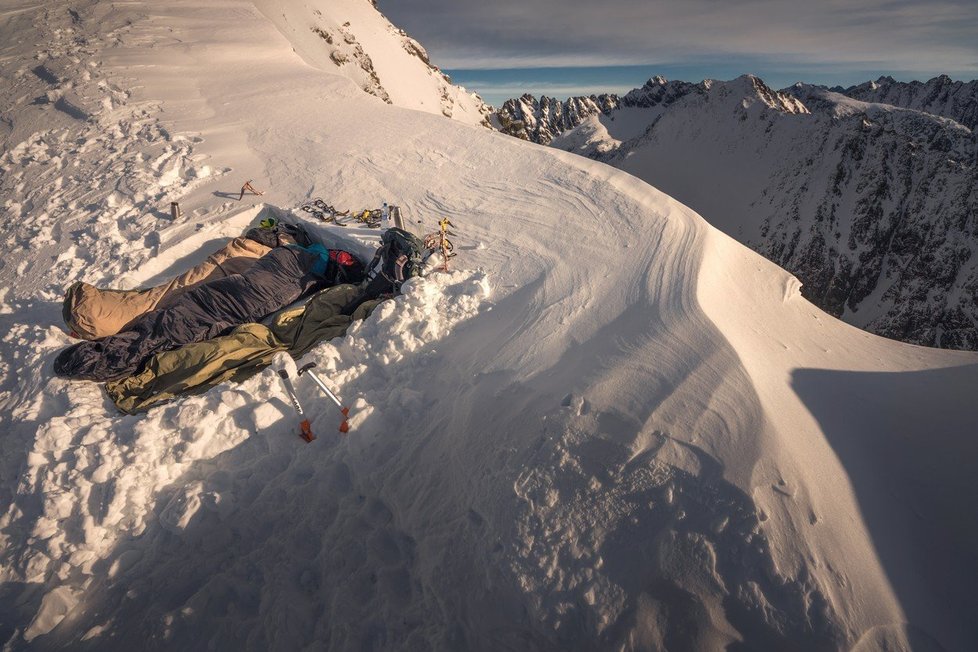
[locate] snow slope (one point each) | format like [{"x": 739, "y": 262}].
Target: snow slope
[
  {"x": 358, "y": 41},
  {"x": 612, "y": 427}
]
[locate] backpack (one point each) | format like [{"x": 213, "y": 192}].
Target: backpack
[
  {"x": 275, "y": 233},
  {"x": 334, "y": 265},
  {"x": 400, "y": 257}
]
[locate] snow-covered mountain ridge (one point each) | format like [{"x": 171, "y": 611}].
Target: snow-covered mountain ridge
[
  {"x": 872, "y": 205},
  {"x": 939, "y": 96},
  {"x": 540, "y": 121},
  {"x": 609, "y": 427}
]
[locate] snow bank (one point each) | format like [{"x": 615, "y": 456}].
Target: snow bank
[{"x": 101, "y": 479}]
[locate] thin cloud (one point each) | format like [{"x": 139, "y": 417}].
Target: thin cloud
[{"x": 909, "y": 35}]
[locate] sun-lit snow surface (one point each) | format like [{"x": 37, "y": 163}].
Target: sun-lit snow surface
[
  {"x": 612, "y": 427},
  {"x": 351, "y": 37}
]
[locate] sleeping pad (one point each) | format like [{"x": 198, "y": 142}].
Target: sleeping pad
[{"x": 277, "y": 279}]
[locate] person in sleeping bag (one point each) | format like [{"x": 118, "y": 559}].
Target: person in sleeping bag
[{"x": 280, "y": 277}]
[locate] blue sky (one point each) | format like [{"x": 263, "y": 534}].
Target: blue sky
[{"x": 504, "y": 48}]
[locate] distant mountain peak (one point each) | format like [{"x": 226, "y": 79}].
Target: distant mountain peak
[{"x": 749, "y": 90}]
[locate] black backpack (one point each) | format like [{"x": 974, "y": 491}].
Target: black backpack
[
  {"x": 400, "y": 257},
  {"x": 280, "y": 234}
]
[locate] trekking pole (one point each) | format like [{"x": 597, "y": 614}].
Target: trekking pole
[
  {"x": 305, "y": 430},
  {"x": 345, "y": 425}
]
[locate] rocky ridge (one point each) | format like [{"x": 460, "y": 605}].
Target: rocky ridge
[
  {"x": 939, "y": 96},
  {"x": 540, "y": 121},
  {"x": 344, "y": 49},
  {"x": 543, "y": 120}
]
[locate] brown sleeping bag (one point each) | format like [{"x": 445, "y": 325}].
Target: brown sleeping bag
[{"x": 91, "y": 313}]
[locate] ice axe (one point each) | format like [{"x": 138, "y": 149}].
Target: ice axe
[{"x": 345, "y": 425}]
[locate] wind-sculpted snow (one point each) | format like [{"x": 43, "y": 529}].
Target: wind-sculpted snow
[{"x": 584, "y": 436}]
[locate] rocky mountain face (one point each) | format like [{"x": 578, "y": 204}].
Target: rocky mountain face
[
  {"x": 542, "y": 120},
  {"x": 872, "y": 205},
  {"x": 940, "y": 96},
  {"x": 345, "y": 50},
  {"x": 349, "y": 54}
]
